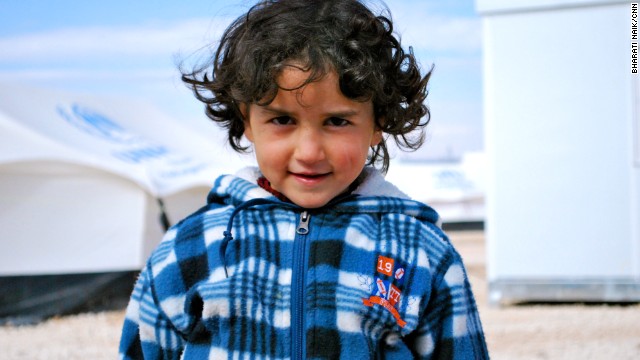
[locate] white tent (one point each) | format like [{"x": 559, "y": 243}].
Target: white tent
[
  {"x": 80, "y": 179},
  {"x": 455, "y": 189}
]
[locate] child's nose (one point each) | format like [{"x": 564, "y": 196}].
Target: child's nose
[{"x": 309, "y": 147}]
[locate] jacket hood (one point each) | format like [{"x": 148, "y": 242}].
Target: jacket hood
[{"x": 372, "y": 195}]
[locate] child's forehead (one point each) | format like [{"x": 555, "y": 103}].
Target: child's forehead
[{"x": 295, "y": 76}]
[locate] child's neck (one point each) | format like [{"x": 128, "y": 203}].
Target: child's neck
[{"x": 265, "y": 184}]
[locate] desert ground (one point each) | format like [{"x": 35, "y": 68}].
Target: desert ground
[{"x": 527, "y": 332}]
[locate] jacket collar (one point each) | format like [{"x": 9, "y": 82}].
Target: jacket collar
[{"x": 373, "y": 195}]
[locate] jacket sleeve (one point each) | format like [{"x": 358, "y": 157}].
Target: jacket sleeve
[
  {"x": 450, "y": 326},
  {"x": 147, "y": 332}
]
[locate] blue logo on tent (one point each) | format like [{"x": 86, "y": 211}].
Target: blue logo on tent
[
  {"x": 131, "y": 148},
  {"x": 98, "y": 125}
]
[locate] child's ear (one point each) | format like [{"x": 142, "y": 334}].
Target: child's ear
[
  {"x": 248, "y": 133},
  {"x": 244, "y": 110},
  {"x": 377, "y": 132},
  {"x": 376, "y": 138}
]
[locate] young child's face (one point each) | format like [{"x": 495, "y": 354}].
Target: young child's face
[{"x": 311, "y": 143}]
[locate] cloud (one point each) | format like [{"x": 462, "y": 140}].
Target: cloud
[
  {"x": 49, "y": 74},
  {"x": 109, "y": 42}
]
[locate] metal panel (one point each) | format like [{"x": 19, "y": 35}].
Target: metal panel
[{"x": 562, "y": 194}]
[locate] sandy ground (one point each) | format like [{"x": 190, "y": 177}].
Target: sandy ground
[
  {"x": 514, "y": 332},
  {"x": 564, "y": 332}
]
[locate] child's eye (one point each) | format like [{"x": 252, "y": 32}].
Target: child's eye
[
  {"x": 336, "y": 121},
  {"x": 282, "y": 120}
]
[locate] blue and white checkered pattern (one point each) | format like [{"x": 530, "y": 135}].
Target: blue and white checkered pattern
[{"x": 184, "y": 305}]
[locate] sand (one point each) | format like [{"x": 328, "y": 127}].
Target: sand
[
  {"x": 568, "y": 331},
  {"x": 549, "y": 331}
]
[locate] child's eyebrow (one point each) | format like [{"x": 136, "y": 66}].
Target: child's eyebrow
[
  {"x": 338, "y": 113},
  {"x": 273, "y": 110}
]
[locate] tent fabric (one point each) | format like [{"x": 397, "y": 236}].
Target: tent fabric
[
  {"x": 31, "y": 299},
  {"x": 82, "y": 178},
  {"x": 131, "y": 139}
]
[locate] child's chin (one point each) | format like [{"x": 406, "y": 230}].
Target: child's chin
[{"x": 310, "y": 202}]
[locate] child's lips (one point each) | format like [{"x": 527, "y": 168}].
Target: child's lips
[{"x": 310, "y": 178}]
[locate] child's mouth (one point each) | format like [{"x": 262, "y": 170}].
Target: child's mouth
[{"x": 310, "y": 177}]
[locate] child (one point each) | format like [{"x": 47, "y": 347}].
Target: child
[{"x": 312, "y": 255}]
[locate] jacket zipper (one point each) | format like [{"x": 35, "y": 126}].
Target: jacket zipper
[{"x": 298, "y": 344}]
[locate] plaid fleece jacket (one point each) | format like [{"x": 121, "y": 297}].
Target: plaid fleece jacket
[{"x": 369, "y": 276}]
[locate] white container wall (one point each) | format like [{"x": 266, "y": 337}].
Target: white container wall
[{"x": 562, "y": 136}]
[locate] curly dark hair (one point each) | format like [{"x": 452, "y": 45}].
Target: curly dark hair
[{"x": 322, "y": 35}]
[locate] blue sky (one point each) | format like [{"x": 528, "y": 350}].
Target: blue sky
[{"x": 130, "y": 48}]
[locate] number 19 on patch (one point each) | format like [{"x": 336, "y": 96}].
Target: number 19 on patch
[{"x": 385, "y": 265}]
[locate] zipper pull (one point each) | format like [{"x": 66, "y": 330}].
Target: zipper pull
[{"x": 303, "y": 225}]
